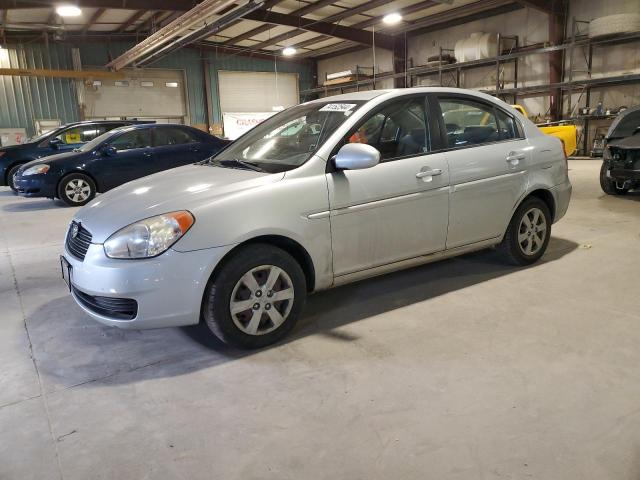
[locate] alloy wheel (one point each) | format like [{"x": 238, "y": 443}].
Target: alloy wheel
[
  {"x": 77, "y": 190},
  {"x": 262, "y": 300},
  {"x": 532, "y": 231}
]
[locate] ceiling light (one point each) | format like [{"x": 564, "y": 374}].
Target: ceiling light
[
  {"x": 288, "y": 51},
  {"x": 392, "y": 18},
  {"x": 68, "y": 11}
]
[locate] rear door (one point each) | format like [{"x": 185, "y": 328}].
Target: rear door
[
  {"x": 133, "y": 158},
  {"x": 488, "y": 158},
  {"x": 174, "y": 147}
]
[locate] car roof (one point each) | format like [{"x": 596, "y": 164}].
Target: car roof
[
  {"x": 100, "y": 122},
  {"x": 399, "y": 92}
]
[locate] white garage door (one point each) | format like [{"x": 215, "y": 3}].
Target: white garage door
[
  {"x": 248, "y": 98},
  {"x": 154, "y": 94},
  {"x": 257, "y": 91}
]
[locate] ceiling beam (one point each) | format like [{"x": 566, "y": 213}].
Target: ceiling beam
[
  {"x": 438, "y": 21},
  {"x": 372, "y": 21},
  {"x": 182, "y": 5},
  {"x": 131, "y": 20},
  {"x": 263, "y": 28},
  {"x": 338, "y": 31},
  {"x": 94, "y": 18},
  {"x": 544, "y": 6}
]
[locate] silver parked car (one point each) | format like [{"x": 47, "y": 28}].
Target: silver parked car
[{"x": 322, "y": 194}]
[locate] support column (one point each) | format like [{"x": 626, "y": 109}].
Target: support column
[
  {"x": 400, "y": 60},
  {"x": 557, "y": 22}
]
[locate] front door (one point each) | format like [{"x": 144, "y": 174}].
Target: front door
[
  {"x": 133, "y": 158},
  {"x": 398, "y": 209},
  {"x": 488, "y": 157}
]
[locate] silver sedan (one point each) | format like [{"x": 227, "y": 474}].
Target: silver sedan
[{"x": 322, "y": 194}]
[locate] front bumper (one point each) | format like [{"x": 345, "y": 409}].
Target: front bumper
[
  {"x": 561, "y": 196},
  {"x": 622, "y": 175},
  {"x": 168, "y": 289},
  {"x": 35, "y": 186}
]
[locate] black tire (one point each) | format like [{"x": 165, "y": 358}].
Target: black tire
[
  {"x": 10, "y": 175},
  {"x": 513, "y": 251},
  {"x": 216, "y": 305},
  {"x": 608, "y": 185},
  {"x": 85, "y": 195}
]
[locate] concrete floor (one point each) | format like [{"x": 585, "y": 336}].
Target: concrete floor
[{"x": 466, "y": 369}]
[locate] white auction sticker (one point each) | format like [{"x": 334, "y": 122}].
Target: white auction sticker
[{"x": 337, "y": 107}]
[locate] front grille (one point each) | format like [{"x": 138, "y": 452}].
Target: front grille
[
  {"x": 78, "y": 244},
  {"x": 117, "y": 308}
]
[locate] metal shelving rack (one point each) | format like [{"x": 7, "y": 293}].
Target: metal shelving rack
[{"x": 569, "y": 85}]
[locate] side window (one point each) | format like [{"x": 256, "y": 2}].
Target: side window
[
  {"x": 506, "y": 126},
  {"x": 398, "y": 130},
  {"x": 81, "y": 134},
  {"x": 468, "y": 122},
  {"x": 172, "y": 136},
  {"x": 132, "y": 139}
]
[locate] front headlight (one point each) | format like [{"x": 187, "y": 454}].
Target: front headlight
[
  {"x": 606, "y": 154},
  {"x": 149, "y": 237},
  {"x": 36, "y": 170}
]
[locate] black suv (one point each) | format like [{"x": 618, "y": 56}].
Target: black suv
[{"x": 62, "y": 139}]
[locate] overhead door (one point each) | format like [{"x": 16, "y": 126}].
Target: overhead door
[
  {"x": 247, "y": 98},
  {"x": 154, "y": 94}
]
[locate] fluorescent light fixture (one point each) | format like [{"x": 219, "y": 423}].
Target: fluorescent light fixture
[
  {"x": 68, "y": 11},
  {"x": 288, "y": 51},
  {"x": 392, "y": 18}
]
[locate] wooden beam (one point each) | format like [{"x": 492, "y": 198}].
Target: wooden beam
[
  {"x": 263, "y": 28},
  {"x": 544, "y": 6},
  {"x": 338, "y": 31},
  {"x": 131, "y": 20},
  {"x": 372, "y": 21},
  {"x": 94, "y": 18},
  {"x": 182, "y": 5},
  {"x": 44, "y": 72}
]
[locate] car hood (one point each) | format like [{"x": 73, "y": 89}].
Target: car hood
[
  {"x": 629, "y": 143},
  {"x": 52, "y": 160},
  {"x": 193, "y": 188}
]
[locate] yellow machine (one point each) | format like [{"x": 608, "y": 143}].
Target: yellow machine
[{"x": 566, "y": 132}]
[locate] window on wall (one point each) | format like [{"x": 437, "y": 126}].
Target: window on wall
[
  {"x": 470, "y": 122},
  {"x": 398, "y": 130}
]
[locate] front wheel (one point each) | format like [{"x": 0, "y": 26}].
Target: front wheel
[
  {"x": 256, "y": 297},
  {"x": 528, "y": 233},
  {"x": 608, "y": 184},
  {"x": 76, "y": 189},
  {"x": 10, "y": 174}
]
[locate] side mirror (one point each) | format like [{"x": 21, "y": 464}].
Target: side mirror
[
  {"x": 109, "y": 150},
  {"x": 356, "y": 156},
  {"x": 55, "y": 142}
]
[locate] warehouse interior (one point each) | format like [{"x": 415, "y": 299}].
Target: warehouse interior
[{"x": 462, "y": 369}]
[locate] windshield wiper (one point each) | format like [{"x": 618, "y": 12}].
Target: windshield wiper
[{"x": 236, "y": 163}]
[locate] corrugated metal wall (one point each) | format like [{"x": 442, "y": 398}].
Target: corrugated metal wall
[{"x": 23, "y": 100}]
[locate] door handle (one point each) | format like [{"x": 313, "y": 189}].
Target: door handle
[
  {"x": 514, "y": 157},
  {"x": 429, "y": 173}
]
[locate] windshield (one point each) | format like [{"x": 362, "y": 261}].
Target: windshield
[
  {"x": 288, "y": 139},
  {"x": 93, "y": 144},
  {"x": 625, "y": 125},
  {"x": 42, "y": 136}
]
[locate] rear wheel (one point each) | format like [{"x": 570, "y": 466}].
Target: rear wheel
[
  {"x": 76, "y": 189},
  {"x": 256, "y": 297},
  {"x": 10, "y": 174},
  {"x": 528, "y": 233},
  {"x": 608, "y": 184}
]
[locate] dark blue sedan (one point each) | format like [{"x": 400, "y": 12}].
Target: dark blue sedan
[
  {"x": 114, "y": 158},
  {"x": 62, "y": 139}
]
